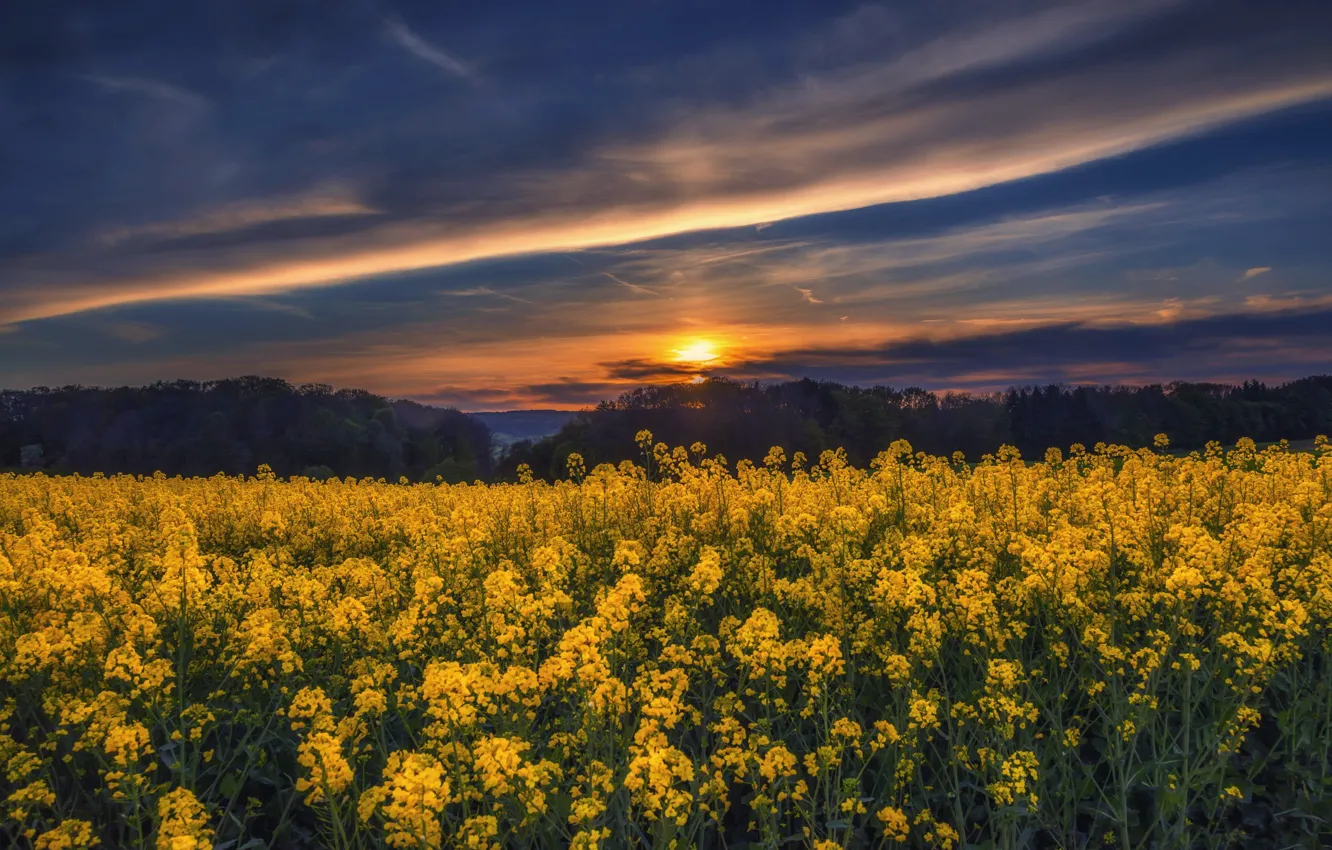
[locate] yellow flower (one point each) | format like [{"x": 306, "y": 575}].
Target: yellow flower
[
  {"x": 773, "y": 632},
  {"x": 1017, "y": 777},
  {"x": 589, "y": 839},
  {"x": 71, "y": 834},
  {"x": 411, "y": 799},
  {"x": 707, "y": 573},
  {"x": 327, "y": 769},
  {"x": 479, "y": 832},
  {"x": 182, "y": 822},
  {"x": 658, "y": 780},
  {"x": 896, "y": 827},
  {"x": 942, "y": 835},
  {"x": 925, "y": 713},
  {"x": 778, "y": 762},
  {"x": 23, "y": 801}
]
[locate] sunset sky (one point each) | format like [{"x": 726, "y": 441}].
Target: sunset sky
[{"x": 506, "y": 205}]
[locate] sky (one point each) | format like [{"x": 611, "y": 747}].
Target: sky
[{"x": 525, "y": 204}]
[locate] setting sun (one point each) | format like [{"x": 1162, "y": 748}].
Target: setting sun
[{"x": 697, "y": 351}]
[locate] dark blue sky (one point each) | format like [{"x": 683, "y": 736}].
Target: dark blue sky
[{"x": 533, "y": 204}]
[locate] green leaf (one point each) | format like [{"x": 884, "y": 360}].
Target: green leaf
[{"x": 231, "y": 784}]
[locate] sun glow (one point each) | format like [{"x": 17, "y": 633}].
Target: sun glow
[{"x": 697, "y": 351}]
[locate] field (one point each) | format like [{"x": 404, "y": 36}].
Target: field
[{"x": 1111, "y": 648}]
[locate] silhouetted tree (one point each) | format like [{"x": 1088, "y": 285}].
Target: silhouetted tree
[
  {"x": 232, "y": 426},
  {"x": 743, "y": 420}
]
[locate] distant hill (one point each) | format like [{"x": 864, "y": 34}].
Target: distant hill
[{"x": 512, "y": 426}]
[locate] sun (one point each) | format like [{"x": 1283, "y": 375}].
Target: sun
[{"x": 697, "y": 351}]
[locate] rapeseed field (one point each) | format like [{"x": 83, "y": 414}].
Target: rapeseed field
[{"x": 1109, "y": 648}]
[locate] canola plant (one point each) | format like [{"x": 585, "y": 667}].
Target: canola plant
[{"x": 1113, "y": 648}]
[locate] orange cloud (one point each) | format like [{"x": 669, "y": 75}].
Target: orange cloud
[{"x": 909, "y": 154}]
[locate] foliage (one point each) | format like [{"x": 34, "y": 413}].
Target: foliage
[
  {"x": 741, "y": 420},
  {"x": 231, "y": 426},
  {"x": 1116, "y": 648}
]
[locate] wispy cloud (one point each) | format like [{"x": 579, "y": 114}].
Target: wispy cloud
[
  {"x": 272, "y": 305},
  {"x": 633, "y": 287},
  {"x": 946, "y": 168},
  {"x": 917, "y": 269},
  {"x": 151, "y": 88},
  {"x": 243, "y": 215},
  {"x": 484, "y": 291},
  {"x": 1278, "y": 301},
  {"x": 834, "y": 142},
  {"x": 405, "y": 37},
  {"x": 1257, "y": 270}
]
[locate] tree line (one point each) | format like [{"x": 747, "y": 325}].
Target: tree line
[
  {"x": 742, "y": 420},
  {"x": 232, "y": 426}
]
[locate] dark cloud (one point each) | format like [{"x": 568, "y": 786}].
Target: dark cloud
[
  {"x": 1283, "y": 344},
  {"x": 649, "y": 371},
  {"x": 570, "y": 392}
]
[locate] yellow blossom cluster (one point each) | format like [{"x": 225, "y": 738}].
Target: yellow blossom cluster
[{"x": 1111, "y": 647}]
